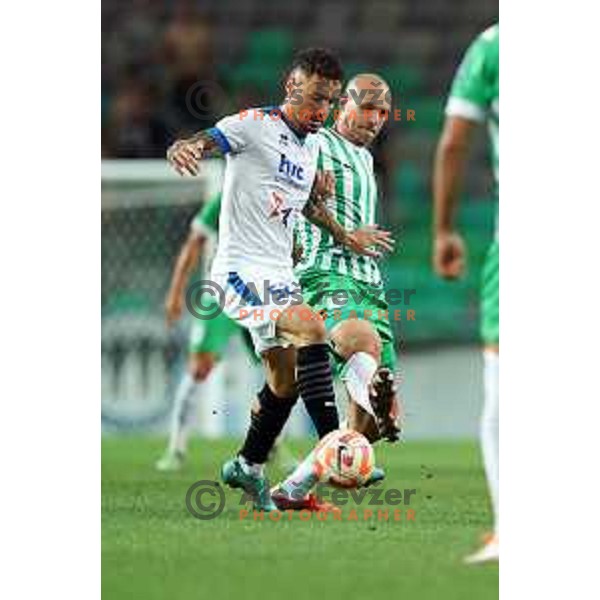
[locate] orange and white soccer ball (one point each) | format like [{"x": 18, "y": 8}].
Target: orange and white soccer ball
[{"x": 344, "y": 458}]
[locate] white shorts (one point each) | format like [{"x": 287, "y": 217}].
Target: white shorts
[{"x": 255, "y": 297}]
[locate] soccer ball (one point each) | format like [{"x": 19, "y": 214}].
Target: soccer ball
[{"x": 344, "y": 458}]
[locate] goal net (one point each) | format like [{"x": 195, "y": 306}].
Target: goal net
[{"x": 146, "y": 211}]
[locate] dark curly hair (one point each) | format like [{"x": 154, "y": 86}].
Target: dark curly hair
[{"x": 321, "y": 61}]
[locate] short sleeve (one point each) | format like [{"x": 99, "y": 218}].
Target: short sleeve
[
  {"x": 233, "y": 133},
  {"x": 313, "y": 143},
  {"x": 206, "y": 221},
  {"x": 472, "y": 88}
]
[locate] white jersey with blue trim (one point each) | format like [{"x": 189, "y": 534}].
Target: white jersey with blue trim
[{"x": 269, "y": 173}]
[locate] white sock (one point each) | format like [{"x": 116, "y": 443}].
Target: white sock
[
  {"x": 298, "y": 484},
  {"x": 184, "y": 411},
  {"x": 489, "y": 429},
  {"x": 357, "y": 375}
]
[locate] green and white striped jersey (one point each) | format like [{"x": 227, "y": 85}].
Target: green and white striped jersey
[{"x": 353, "y": 206}]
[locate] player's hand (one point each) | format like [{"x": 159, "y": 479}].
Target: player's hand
[
  {"x": 184, "y": 156},
  {"x": 369, "y": 241},
  {"x": 173, "y": 308},
  {"x": 449, "y": 255},
  {"x": 323, "y": 186}
]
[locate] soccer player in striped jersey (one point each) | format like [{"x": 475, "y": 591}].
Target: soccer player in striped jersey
[
  {"x": 473, "y": 101},
  {"x": 348, "y": 287},
  {"x": 364, "y": 346}
]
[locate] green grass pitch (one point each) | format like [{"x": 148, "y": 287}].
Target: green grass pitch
[{"x": 153, "y": 548}]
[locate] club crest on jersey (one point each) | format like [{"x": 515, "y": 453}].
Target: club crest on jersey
[
  {"x": 291, "y": 169},
  {"x": 275, "y": 205},
  {"x": 277, "y": 209}
]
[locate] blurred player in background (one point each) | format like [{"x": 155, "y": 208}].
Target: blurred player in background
[
  {"x": 270, "y": 173},
  {"x": 473, "y": 100},
  {"x": 209, "y": 338},
  {"x": 360, "y": 332}
]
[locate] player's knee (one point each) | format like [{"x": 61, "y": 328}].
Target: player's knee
[
  {"x": 355, "y": 335},
  {"x": 314, "y": 332},
  {"x": 200, "y": 366}
]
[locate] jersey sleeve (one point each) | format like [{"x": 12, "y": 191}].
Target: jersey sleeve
[
  {"x": 472, "y": 89},
  {"x": 206, "y": 221},
  {"x": 313, "y": 143},
  {"x": 319, "y": 162},
  {"x": 369, "y": 159},
  {"x": 234, "y": 133}
]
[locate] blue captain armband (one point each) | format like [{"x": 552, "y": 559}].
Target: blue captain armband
[{"x": 219, "y": 137}]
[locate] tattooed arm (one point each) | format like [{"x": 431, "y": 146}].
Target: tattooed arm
[
  {"x": 185, "y": 155},
  {"x": 316, "y": 211},
  {"x": 360, "y": 240}
]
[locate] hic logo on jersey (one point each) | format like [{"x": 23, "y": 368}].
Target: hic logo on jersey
[{"x": 291, "y": 169}]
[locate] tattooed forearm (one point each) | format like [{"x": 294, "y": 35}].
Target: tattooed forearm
[
  {"x": 207, "y": 144},
  {"x": 185, "y": 155},
  {"x": 316, "y": 211}
]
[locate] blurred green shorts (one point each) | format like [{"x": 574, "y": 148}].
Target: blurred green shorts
[
  {"x": 490, "y": 297},
  {"x": 317, "y": 288}
]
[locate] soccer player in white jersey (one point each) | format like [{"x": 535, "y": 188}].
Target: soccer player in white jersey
[
  {"x": 269, "y": 176},
  {"x": 208, "y": 343}
]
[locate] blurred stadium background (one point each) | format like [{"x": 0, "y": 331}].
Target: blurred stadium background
[{"x": 171, "y": 68}]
